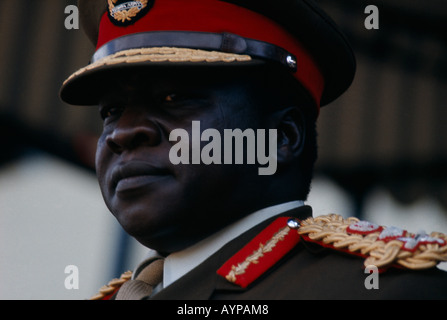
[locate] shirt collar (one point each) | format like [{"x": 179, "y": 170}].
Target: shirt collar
[{"x": 179, "y": 263}]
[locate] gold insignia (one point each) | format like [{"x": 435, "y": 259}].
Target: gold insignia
[
  {"x": 127, "y": 12},
  {"x": 240, "y": 268},
  {"x": 382, "y": 247},
  {"x": 260, "y": 254},
  {"x": 112, "y": 286},
  {"x": 161, "y": 54}
]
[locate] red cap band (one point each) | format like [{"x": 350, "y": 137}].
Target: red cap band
[{"x": 219, "y": 17}]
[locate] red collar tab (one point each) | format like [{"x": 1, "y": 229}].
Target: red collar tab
[
  {"x": 382, "y": 247},
  {"x": 211, "y": 16},
  {"x": 261, "y": 253}
]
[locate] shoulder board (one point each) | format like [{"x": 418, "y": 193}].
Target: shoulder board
[
  {"x": 380, "y": 246},
  {"x": 109, "y": 290}
]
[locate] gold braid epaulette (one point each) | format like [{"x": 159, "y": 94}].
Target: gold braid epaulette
[
  {"x": 112, "y": 287},
  {"x": 382, "y": 247}
]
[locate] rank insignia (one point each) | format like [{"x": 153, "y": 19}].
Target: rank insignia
[
  {"x": 124, "y": 13},
  {"x": 363, "y": 227},
  {"x": 261, "y": 253},
  {"x": 381, "y": 246}
]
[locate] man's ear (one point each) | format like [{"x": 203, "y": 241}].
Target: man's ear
[{"x": 290, "y": 126}]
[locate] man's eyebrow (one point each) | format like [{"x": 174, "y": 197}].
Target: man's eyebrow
[{"x": 113, "y": 97}]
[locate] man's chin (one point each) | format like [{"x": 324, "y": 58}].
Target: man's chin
[
  {"x": 161, "y": 234},
  {"x": 167, "y": 240}
]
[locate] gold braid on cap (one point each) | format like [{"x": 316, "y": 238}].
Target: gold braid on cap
[
  {"x": 161, "y": 54},
  {"x": 382, "y": 247}
]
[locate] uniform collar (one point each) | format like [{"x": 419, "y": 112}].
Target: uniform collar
[{"x": 179, "y": 263}]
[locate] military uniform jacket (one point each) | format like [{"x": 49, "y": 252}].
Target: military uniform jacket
[
  {"x": 294, "y": 256},
  {"x": 307, "y": 271}
]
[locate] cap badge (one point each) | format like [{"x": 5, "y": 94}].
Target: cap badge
[{"x": 124, "y": 13}]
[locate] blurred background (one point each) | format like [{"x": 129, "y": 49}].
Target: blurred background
[{"x": 382, "y": 153}]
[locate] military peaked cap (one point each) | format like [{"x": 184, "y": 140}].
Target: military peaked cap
[{"x": 294, "y": 35}]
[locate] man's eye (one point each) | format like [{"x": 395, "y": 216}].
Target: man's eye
[
  {"x": 171, "y": 97},
  {"x": 109, "y": 112},
  {"x": 182, "y": 98}
]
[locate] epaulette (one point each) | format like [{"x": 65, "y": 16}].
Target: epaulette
[
  {"x": 382, "y": 247},
  {"x": 109, "y": 290}
]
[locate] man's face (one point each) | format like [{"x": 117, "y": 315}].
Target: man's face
[{"x": 165, "y": 206}]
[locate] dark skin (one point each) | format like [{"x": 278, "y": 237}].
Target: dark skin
[{"x": 169, "y": 207}]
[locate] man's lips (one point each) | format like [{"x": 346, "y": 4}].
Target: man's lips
[{"x": 134, "y": 175}]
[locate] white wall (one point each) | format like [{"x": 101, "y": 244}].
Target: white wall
[{"x": 51, "y": 216}]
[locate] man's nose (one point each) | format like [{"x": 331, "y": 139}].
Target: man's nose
[{"x": 131, "y": 134}]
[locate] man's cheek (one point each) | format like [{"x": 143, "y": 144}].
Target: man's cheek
[
  {"x": 101, "y": 150},
  {"x": 101, "y": 164}
]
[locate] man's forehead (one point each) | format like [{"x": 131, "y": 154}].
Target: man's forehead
[
  {"x": 182, "y": 80},
  {"x": 184, "y": 77}
]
